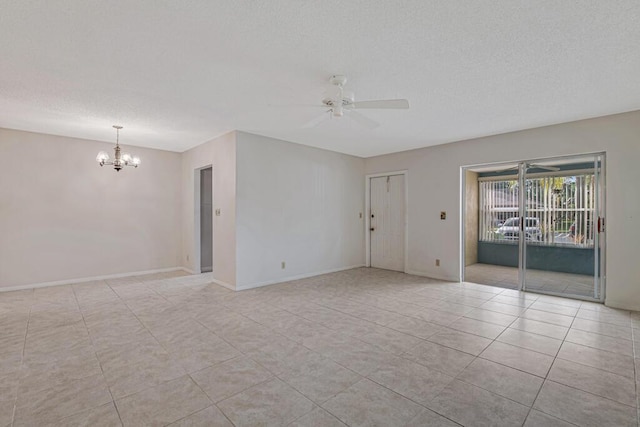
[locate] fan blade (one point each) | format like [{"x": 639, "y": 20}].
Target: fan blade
[
  {"x": 512, "y": 168},
  {"x": 530, "y": 166},
  {"x": 363, "y": 120},
  {"x": 383, "y": 104},
  {"x": 316, "y": 120},
  {"x": 296, "y": 106}
]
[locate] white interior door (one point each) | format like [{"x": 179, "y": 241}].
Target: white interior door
[{"x": 387, "y": 225}]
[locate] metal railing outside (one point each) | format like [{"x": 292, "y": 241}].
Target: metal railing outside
[{"x": 559, "y": 209}]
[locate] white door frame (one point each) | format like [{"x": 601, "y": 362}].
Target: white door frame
[
  {"x": 367, "y": 222},
  {"x": 197, "y": 264}
]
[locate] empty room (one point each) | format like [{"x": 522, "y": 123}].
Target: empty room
[{"x": 319, "y": 213}]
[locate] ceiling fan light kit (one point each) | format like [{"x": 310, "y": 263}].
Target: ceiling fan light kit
[{"x": 120, "y": 159}]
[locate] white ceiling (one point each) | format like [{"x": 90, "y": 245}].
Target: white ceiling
[{"x": 178, "y": 73}]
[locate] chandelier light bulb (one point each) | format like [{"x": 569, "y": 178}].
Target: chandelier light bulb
[
  {"x": 102, "y": 157},
  {"x": 126, "y": 158},
  {"x": 136, "y": 161}
]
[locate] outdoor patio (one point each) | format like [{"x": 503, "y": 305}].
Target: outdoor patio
[{"x": 537, "y": 280}]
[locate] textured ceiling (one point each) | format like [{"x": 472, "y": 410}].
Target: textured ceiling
[{"x": 178, "y": 73}]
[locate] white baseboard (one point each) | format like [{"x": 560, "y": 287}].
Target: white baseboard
[
  {"x": 90, "y": 279},
  {"x": 432, "y": 276},
  {"x": 224, "y": 284},
  {"x": 623, "y": 305},
  {"x": 298, "y": 277}
]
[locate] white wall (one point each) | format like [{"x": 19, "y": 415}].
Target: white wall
[
  {"x": 220, "y": 153},
  {"x": 435, "y": 186},
  {"x": 64, "y": 217},
  {"x": 296, "y": 204}
]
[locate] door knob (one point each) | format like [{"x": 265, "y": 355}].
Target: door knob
[{"x": 372, "y": 228}]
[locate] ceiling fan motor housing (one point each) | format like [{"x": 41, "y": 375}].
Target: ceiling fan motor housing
[
  {"x": 340, "y": 99},
  {"x": 346, "y": 100}
]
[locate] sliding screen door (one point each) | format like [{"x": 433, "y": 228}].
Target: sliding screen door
[{"x": 561, "y": 233}]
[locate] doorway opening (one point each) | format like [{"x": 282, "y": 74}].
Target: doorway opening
[
  {"x": 205, "y": 210},
  {"x": 386, "y": 222},
  {"x": 536, "y": 225}
]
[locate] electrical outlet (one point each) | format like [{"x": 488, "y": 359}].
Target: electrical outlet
[
  {"x": 218, "y": 212},
  {"x": 283, "y": 265},
  {"x": 437, "y": 263},
  {"x": 443, "y": 215}
]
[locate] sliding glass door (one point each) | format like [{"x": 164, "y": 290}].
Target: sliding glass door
[
  {"x": 562, "y": 233},
  {"x": 542, "y": 224}
]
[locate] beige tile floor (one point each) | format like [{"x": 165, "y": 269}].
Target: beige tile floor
[
  {"x": 537, "y": 280},
  {"x": 360, "y": 347}
]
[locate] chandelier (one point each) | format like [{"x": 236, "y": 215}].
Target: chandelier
[{"x": 120, "y": 160}]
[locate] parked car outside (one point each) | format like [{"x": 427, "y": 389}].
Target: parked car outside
[{"x": 510, "y": 229}]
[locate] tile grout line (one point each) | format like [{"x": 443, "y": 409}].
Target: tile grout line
[
  {"x": 211, "y": 400},
  {"x": 277, "y": 331},
  {"x": 113, "y": 401},
  {"x": 394, "y": 392},
  {"x": 569, "y": 328},
  {"x": 546, "y": 375},
  {"x": 456, "y": 376},
  {"x": 63, "y": 325},
  {"x": 361, "y": 377},
  {"x": 188, "y": 374},
  {"x": 573, "y": 387},
  {"x": 24, "y": 346},
  {"x": 414, "y": 401},
  {"x": 315, "y": 405},
  {"x": 144, "y": 326},
  {"x": 301, "y": 344},
  {"x": 549, "y": 370},
  {"x": 86, "y": 327},
  {"x": 476, "y": 357}
]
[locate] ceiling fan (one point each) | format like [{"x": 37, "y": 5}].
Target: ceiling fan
[
  {"x": 340, "y": 102},
  {"x": 531, "y": 166}
]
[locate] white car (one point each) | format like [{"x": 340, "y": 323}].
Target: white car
[{"x": 510, "y": 229}]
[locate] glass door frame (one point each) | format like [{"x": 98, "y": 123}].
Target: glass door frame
[{"x": 599, "y": 276}]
